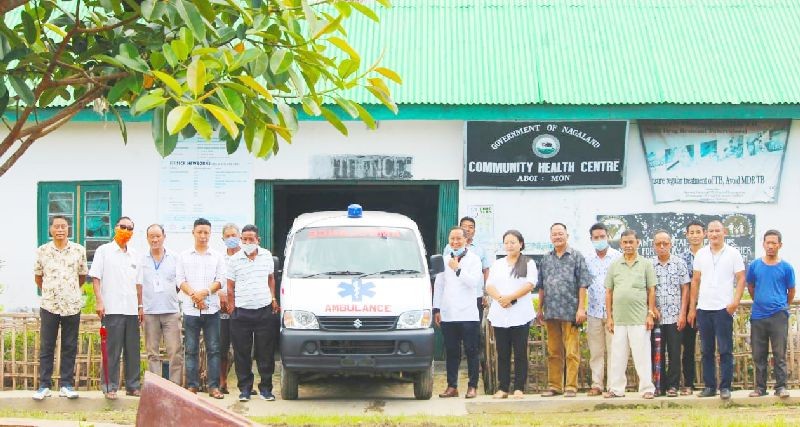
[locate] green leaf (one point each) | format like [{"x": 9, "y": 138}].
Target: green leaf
[
  {"x": 191, "y": 16},
  {"x": 123, "y": 129},
  {"x": 232, "y": 101},
  {"x": 109, "y": 60},
  {"x": 380, "y": 85},
  {"x": 201, "y": 125},
  {"x": 22, "y": 89},
  {"x": 157, "y": 60},
  {"x": 196, "y": 77},
  {"x": 297, "y": 81},
  {"x": 330, "y": 26},
  {"x": 347, "y": 106},
  {"x": 129, "y": 50},
  {"x": 385, "y": 3},
  {"x": 365, "y": 116},
  {"x": 165, "y": 143},
  {"x": 187, "y": 37},
  {"x": 29, "y": 28},
  {"x": 289, "y": 115},
  {"x": 256, "y": 86},
  {"x": 263, "y": 140},
  {"x": 311, "y": 107},
  {"x": 231, "y": 144},
  {"x": 334, "y": 120},
  {"x": 383, "y": 97},
  {"x": 178, "y": 118},
  {"x": 180, "y": 49},
  {"x": 4, "y": 101},
  {"x": 170, "y": 81},
  {"x": 347, "y": 67},
  {"x": 226, "y": 118},
  {"x": 345, "y": 47},
  {"x": 204, "y": 6},
  {"x": 148, "y": 102},
  {"x": 390, "y": 74},
  {"x": 366, "y": 11},
  {"x": 169, "y": 55},
  {"x": 311, "y": 17},
  {"x": 280, "y": 61},
  {"x": 153, "y": 10},
  {"x": 119, "y": 89}
]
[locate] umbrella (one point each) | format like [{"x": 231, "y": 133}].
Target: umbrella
[
  {"x": 657, "y": 359},
  {"x": 104, "y": 352}
]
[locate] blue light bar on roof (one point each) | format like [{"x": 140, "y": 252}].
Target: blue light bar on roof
[{"x": 354, "y": 211}]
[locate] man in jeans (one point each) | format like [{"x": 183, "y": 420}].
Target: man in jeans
[
  {"x": 770, "y": 281},
  {"x": 59, "y": 270},
  {"x": 200, "y": 273},
  {"x": 156, "y": 285},
  {"x": 695, "y": 237},
  {"x": 598, "y": 336},
  {"x": 253, "y": 308},
  {"x": 717, "y": 268}
]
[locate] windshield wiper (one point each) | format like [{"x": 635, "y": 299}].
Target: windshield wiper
[
  {"x": 333, "y": 273},
  {"x": 392, "y": 272}
]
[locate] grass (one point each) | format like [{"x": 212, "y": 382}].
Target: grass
[{"x": 119, "y": 416}]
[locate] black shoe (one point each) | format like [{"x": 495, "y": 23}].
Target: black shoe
[
  {"x": 725, "y": 394},
  {"x": 708, "y": 392}
]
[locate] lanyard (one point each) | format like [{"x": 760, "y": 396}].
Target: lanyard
[{"x": 157, "y": 265}]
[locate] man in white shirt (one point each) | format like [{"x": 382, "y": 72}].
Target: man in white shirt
[
  {"x": 157, "y": 287},
  {"x": 599, "y": 338},
  {"x": 200, "y": 273},
  {"x": 254, "y": 314},
  {"x": 113, "y": 274},
  {"x": 718, "y": 268},
  {"x": 456, "y": 313}
]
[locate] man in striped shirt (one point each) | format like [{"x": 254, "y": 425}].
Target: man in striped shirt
[
  {"x": 254, "y": 314},
  {"x": 199, "y": 273}
]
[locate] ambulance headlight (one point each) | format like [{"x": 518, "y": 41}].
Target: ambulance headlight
[
  {"x": 299, "y": 319},
  {"x": 417, "y": 319}
]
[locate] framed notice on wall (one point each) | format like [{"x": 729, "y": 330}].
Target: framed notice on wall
[
  {"x": 545, "y": 154},
  {"x": 715, "y": 161}
]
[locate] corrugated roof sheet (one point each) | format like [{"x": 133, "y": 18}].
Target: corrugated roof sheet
[{"x": 586, "y": 52}]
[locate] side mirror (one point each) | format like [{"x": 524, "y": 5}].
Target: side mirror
[{"x": 436, "y": 264}]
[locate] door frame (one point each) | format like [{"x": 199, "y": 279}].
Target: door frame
[{"x": 446, "y": 215}]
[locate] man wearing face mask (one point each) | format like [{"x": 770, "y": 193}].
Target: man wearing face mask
[
  {"x": 114, "y": 273},
  {"x": 231, "y": 238},
  {"x": 254, "y": 314},
  {"x": 599, "y": 337}
]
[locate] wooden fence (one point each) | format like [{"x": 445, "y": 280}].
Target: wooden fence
[{"x": 19, "y": 354}]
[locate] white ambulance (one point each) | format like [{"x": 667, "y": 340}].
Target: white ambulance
[{"x": 356, "y": 298}]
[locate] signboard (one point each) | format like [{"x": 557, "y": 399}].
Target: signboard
[
  {"x": 373, "y": 167},
  {"x": 200, "y": 179},
  {"x": 740, "y": 230},
  {"x": 545, "y": 154},
  {"x": 715, "y": 161}
]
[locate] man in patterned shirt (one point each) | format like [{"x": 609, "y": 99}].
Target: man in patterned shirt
[
  {"x": 672, "y": 301},
  {"x": 598, "y": 336},
  {"x": 563, "y": 279},
  {"x": 59, "y": 270}
]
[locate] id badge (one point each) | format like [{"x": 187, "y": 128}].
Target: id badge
[{"x": 157, "y": 285}]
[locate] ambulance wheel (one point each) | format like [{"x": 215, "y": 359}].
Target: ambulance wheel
[
  {"x": 288, "y": 384},
  {"x": 423, "y": 384}
]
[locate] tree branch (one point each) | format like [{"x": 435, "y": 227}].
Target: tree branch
[{"x": 8, "y": 5}]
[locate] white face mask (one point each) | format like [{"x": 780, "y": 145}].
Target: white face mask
[{"x": 249, "y": 248}]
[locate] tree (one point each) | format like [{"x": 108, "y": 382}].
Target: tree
[{"x": 236, "y": 66}]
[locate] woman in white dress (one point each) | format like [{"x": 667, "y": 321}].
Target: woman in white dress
[{"x": 511, "y": 280}]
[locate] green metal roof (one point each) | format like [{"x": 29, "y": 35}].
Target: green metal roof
[
  {"x": 588, "y": 52},
  {"x": 584, "y": 52}
]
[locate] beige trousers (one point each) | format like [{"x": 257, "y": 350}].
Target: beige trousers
[
  {"x": 168, "y": 326},
  {"x": 635, "y": 340},
  {"x": 599, "y": 349}
]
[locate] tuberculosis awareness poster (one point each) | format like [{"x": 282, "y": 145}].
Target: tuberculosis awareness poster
[
  {"x": 545, "y": 154},
  {"x": 715, "y": 161}
]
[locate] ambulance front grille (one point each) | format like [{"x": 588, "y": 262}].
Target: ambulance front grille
[{"x": 354, "y": 323}]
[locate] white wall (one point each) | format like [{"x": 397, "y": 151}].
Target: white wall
[{"x": 94, "y": 151}]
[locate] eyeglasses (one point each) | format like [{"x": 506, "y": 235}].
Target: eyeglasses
[{"x": 125, "y": 227}]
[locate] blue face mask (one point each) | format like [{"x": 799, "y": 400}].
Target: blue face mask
[
  {"x": 600, "y": 245},
  {"x": 232, "y": 242},
  {"x": 458, "y": 252}
]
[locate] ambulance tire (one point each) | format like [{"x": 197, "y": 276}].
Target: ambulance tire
[
  {"x": 423, "y": 384},
  {"x": 288, "y": 384}
]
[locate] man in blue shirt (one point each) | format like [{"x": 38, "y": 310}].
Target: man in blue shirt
[{"x": 770, "y": 281}]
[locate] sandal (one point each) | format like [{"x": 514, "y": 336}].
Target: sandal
[
  {"x": 111, "y": 395},
  {"x": 570, "y": 393},
  {"x": 757, "y": 393},
  {"x": 518, "y": 394},
  {"x": 611, "y": 395},
  {"x": 550, "y": 393},
  {"x": 687, "y": 391},
  {"x": 500, "y": 395},
  {"x": 134, "y": 393},
  {"x": 672, "y": 392},
  {"x": 215, "y": 393},
  {"x": 649, "y": 395},
  {"x": 595, "y": 392}
]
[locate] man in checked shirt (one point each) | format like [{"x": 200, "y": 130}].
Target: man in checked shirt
[{"x": 200, "y": 273}]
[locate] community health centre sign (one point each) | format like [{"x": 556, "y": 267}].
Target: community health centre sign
[{"x": 545, "y": 154}]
